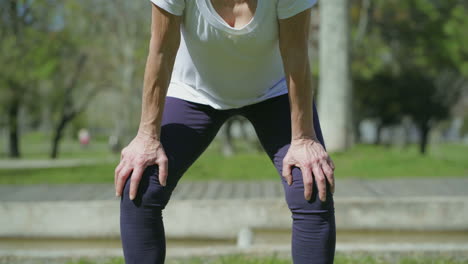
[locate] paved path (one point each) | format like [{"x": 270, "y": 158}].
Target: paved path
[{"x": 212, "y": 190}]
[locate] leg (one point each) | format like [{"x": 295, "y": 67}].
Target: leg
[
  {"x": 186, "y": 130},
  {"x": 313, "y": 231}
]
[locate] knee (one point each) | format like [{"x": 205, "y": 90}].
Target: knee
[
  {"x": 297, "y": 202},
  {"x": 150, "y": 192}
]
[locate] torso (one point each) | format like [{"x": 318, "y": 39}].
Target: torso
[
  {"x": 229, "y": 53},
  {"x": 236, "y": 13}
]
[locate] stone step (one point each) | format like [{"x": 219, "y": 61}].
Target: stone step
[{"x": 189, "y": 190}]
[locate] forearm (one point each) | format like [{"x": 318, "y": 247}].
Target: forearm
[
  {"x": 301, "y": 95},
  {"x": 156, "y": 81},
  {"x": 293, "y": 43},
  {"x": 164, "y": 43}
]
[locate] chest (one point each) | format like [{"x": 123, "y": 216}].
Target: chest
[
  {"x": 235, "y": 13},
  {"x": 206, "y": 27}
]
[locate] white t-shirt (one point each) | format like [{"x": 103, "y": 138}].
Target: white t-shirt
[{"x": 225, "y": 67}]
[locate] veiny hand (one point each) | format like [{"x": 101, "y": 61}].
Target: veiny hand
[
  {"x": 310, "y": 156},
  {"x": 142, "y": 152}
]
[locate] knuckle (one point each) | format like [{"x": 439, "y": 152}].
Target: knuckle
[
  {"x": 321, "y": 179},
  {"x": 139, "y": 161},
  {"x": 122, "y": 175}
]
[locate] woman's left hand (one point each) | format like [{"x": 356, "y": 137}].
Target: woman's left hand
[{"x": 310, "y": 156}]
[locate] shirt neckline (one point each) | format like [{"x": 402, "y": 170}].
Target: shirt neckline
[{"x": 212, "y": 16}]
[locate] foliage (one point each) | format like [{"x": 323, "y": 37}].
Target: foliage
[{"x": 412, "y": 61}]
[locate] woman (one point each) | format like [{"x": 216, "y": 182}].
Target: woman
[{"x": 209, "y": 60}]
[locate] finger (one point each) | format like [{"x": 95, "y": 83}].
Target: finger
[
  {"x": 163, "y": 170},
  {"x": 308, "y": 182},
  {"x": 116, "y": 173},
  {"x": 330, "y": 161},
  {"x": 121, "y": 178},
  {"x": 320, "y": 181},
  {"x": 329, "y": 174},
  {"x": 286, "y": 172},
  {"x": 135, "y": 181}
]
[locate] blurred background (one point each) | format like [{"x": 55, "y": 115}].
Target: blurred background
[{"x": 392, "y": 95}]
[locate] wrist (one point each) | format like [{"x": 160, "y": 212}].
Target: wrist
[
  {"x": 302, "y": 141},
  {"x": 304, "y": 136},
  {"x": 148, "y": 132}
]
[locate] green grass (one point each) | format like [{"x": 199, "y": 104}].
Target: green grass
[
  {"x": 368, "y": 161},
  {"x": 37, "y": 145},
  {"x": 362, "y": 161},
  {"x": 101, "y": 173},
  {"x": 274, "y": 260}
]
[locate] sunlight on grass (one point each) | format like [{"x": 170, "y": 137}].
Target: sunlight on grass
[{"x": 361, "y": 161}]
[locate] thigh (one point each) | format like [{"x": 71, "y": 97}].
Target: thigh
[
  {"x": 187, "y": 129},
  {"x": 272, "y": 122}
]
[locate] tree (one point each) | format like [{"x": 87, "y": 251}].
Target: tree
[
  {"x": 379, "y": 99},
  {"x": 335, "y": 83},
  {"x": 79, "y": 75},
  {"x": 25, "y": 24},
  {"x": 414, "y": 56}
]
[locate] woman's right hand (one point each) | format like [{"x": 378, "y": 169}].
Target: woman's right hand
[{"x": 143, "y": 151}]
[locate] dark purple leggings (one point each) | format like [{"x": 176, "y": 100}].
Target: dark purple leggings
[{"x": 187, "y": 130}]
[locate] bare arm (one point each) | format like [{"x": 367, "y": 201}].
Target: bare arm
[
  {"x": 164, "y": 43},
  {"x": 294, "y": 33},
  {"x": 305, "y": 151},
  {"x": 146, "y": 148}
]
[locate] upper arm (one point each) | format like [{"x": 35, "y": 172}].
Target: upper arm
[
  {"x": 165, "y": 30},
  {"x": 294, "y": 19},
  {"x": 294, "y": 38}
]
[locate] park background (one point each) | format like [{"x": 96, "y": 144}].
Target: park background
[{"x": 391, "y": 82}]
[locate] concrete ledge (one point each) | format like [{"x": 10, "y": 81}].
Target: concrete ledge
[
  {"x": 223, "y": 219},
  {"x": 389, "y": 251}
]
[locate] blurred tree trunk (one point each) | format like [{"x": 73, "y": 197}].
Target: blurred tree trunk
[
  {"x": 15, "y": 100},
  {"x": 335, "y": 86},
  {"x": 378, "y": 134},
  {"x": 58, "y": 134},
  {"x": 13, "y": 126},
  {"x": 26, "y": 56},
  {"x": 424, "y": 128},
  {"x": 69, "y": 108}
]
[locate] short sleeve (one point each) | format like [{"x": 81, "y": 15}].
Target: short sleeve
[
  {"x": 289, "y": 8},
  {"x": 175, "y": 7}
]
